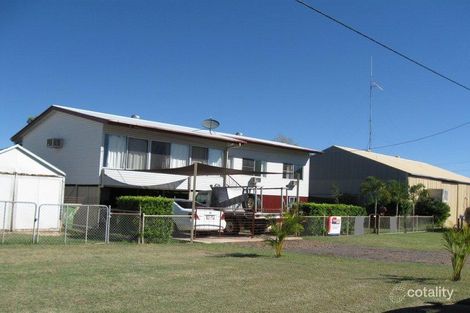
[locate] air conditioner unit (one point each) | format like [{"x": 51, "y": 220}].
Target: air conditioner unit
[
  {"x": 254, "y": 181},
  {"x": 55, "y": 143}
]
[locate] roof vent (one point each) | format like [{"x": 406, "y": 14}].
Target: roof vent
[
  {"x": 135, "y": 116},
  {"x": 239, "y": 134}
]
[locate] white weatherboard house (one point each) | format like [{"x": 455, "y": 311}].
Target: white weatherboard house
[
  {"x": 25, "y": 177},
  {"x": 103, "y": 153}
]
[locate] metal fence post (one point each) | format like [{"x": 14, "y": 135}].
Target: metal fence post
[
  {"x": 86, "y": 222},
  {"x": 347, "y": 227},
  {"x": 417, "y": 223},
  {"x": 220, "y": 222},
  {"x": 66, "y": 222},
  {"x": 4, "y": 221},
  {"x": 34, "y": 221},
  {"x": 36, "y": 238},
  {"x": 142, "y": 236},
  {"x": 108, "y": 219}
]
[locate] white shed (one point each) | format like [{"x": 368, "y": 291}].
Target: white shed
[{"x": 26, "y": 182}]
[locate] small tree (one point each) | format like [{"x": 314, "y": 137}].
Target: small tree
[
  {"x": 457, "y": 242},
  {"x": 336, "y": 192},
  {"x": 415, "y": 193},
  {"x": 284, "y": 139},
  {"x": 373, "y": 189},
  {"x": 290, "y": 224},
  {"x": 398, "y": 193}
]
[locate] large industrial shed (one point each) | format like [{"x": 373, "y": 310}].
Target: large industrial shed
[
  {"x": 26, "y": 182},
  {"x": 347, "y": 168}
]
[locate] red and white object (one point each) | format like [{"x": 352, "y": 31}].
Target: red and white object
[{"x": 334, "y": 225}]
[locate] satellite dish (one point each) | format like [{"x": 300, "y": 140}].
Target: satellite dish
[{"x": 210, "y": 124}]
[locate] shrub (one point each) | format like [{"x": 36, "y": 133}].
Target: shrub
[
  {"x": 157, "y": 230},
  {"x": 290, "y": 224},
  {"x": 326, "y": 209},
  {"x": 429, "y": 206},
  {"x": 457, "y": 242}
]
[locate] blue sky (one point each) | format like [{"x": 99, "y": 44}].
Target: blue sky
[{"x": 260, "y": 67}]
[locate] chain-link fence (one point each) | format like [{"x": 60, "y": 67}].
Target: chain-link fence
[
  {"x": 359, "y": 225},
  {"x": 72, "y": 223},
  {"x": 17, "y": 220},
  {"x": 350, "y": 225},
  {"x": 27, "y": 222},
  {"x": 401, "y": 224}
]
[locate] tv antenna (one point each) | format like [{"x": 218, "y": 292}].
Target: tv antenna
[
  {"x": 372, "y": 84},
  {"x": 210, "y": 124}
]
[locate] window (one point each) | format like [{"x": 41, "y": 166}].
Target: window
[
  {"x": 288, "y": 171},
  {"x": 260, "y": 166},
  {"x": 298, "y": 172},
  {"x": 254, "y": 166},
  {"x": 179, "y": 155},
  {"x": 291, "y": 171},
  {"x": 248, "y": 165},
  {"x": 199, "y": 154},
  {"x": 215, "y": 157},
  {"x": 115, "y": 151},
  {"x": 137, "y": 154},
  {"x": 160, "y": 155}
]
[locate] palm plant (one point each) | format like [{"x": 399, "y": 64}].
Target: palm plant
[
  {"x": 457, "y": 242},
  {"x": 290, "y": 224},
  {"x": 416, "y": 192},
  {"x": 398, "y": 193},
  {"x": 373, "y": 189}
]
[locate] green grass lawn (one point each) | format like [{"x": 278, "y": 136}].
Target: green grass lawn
[
  {"x": 204, "y": 278},
  {"x": 415, "y": 241}
]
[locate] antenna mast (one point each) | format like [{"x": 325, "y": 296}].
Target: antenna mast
[
  {"x": 372, "y": 84},
  {"x": 369, "y": 147}
]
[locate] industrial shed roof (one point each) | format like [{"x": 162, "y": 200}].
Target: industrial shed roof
[{"x": 411, "y": 167}]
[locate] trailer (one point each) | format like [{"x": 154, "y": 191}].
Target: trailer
[{"x": 241, "y": 206}]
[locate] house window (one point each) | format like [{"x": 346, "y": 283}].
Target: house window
[
  {"x": 160, "y": 155},
  {"x": 137, "y": 154},
  {"x": 199, "y": 154},
  {"x": 288, "y": 171},
  {"x": 215, "y": 157},
  {"x": 298, "y": 172},
  {"x": 179, "y": 155},
  {"x": 254, "y": 166},
  {"x": 292, "y": 171},
  {"x": 115, "y": 151},
  {"x": 248, "y": 165}
]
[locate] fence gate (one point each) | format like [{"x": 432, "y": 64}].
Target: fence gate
[
  {"x": 17, "y": 221},
  {"x": 72, "y": 223}
]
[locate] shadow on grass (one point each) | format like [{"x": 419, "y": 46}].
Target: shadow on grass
[
  {"x": 238, "y": 255},
  {"x": 437, "y": 307},
  {"x": 396, "y": 279}
]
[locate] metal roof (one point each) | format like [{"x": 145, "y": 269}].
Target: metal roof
[
  {"x": 414, "y": 168},
  {"x": 35, "y": 158},
  {"x": 152, "y": 125}
]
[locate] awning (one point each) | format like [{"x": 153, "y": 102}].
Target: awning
[
  {"x": 133, "y": 179},
  {"x": 204, "y": 169}
]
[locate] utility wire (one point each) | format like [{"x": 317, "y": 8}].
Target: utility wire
[
  {"x": 384, "y": 45},
  {"x": 422, "y": 138}
]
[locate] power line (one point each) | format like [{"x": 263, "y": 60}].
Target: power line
[
  {"x": 422, "y": 138},
  {"x": 384, "y": 45}
]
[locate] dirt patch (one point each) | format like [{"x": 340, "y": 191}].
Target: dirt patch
[{"x": 361, "y": 252}]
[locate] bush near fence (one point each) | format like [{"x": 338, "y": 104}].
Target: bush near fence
[
  {"x": 328, "y": 209},
  {"x": 158, "y": 230},
  {"x": 317, "y": 226}
]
